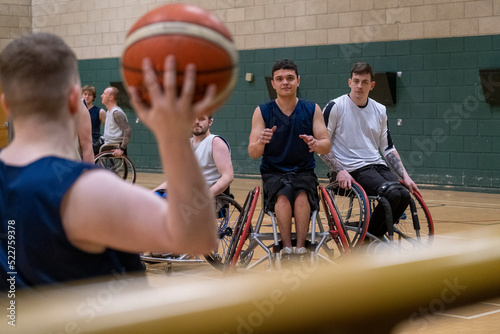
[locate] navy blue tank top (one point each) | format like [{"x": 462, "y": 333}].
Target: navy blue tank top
[
  {"x": 286, "y": 152},
  {"x": 30, "y": 206},
  {"x": 96, "y": 122}
]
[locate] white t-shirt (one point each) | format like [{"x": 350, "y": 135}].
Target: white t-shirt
[
  {"x": 112, "y": 133},
  {"x": 357, "y": 134}
]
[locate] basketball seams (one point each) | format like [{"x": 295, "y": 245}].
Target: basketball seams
[
  {"x": 183, "y": 28},
  {"x": 226, "y": 67},
  {"x": 181, "y": 73}
]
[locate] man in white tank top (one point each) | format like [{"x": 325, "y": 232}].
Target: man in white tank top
[
  {"x": 116, "y": 129},
  {"x": 213, "y": 155}
]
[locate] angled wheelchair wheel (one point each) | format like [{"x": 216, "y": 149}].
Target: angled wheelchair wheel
[
  {"x": 228, "y": 214},
  {"x": 336, "y": 229},
  {"x": 415, "y": 228},
  {"x": 241, "y": 251},
  {"x": 121, "y": 166},
  {"x": 352, "y": 208}
]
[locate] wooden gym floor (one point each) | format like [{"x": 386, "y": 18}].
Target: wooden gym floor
[{"x": 457, "y": 216}]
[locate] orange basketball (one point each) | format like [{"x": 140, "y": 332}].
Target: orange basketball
[{"x": 192, "y": 35}]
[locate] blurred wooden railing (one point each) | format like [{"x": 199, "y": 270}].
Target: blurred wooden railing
[{"x": 367, "y": 294}]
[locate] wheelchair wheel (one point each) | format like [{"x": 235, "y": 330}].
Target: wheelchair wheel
[
  {"x": 228, "y": 213},
  {"x": 241, "y": 249},
  {"x": 121, "y": 166},
  {"x": 415, "y": 228},
  {"x": 352, "y": 208},
  {"x": 337, "y": 231}
]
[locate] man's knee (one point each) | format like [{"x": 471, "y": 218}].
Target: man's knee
[
  {"x": 302, "y": 197},
  {"x": 282, "y": 203},
  {"x": 405, "y": 196},
  {"x": 302, "y": 200},
  {"x": 398, "y": 198}
]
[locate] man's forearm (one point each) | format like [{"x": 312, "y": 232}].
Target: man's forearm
[
  {"x": 323, "y": 146},
  {"x": 221, "y": 185},
  {"x": 394, "y": 161},
  {"x": 122, "y": 123},
  {"x": 256, "y": 149},
  {"x": 331, "y": 162},
  {"x": 127, "y": 133}
]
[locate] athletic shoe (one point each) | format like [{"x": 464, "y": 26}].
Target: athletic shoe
[
  {"x": 286, "y": 253},
  {"x": 301, "y": 254}
]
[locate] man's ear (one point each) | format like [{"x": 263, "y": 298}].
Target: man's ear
[
  {"x": 372, "y": 85},
  {"x": 4, "y": 106},
  {"x": 74, "y": 99}
]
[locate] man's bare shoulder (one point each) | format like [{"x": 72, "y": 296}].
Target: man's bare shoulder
[
  {"x": 257, "y": 114},
  {"x": 220, "y": 143},
  {"x": 98, "y": 178},
  {"x": 101, "y": 180},
  {"x": 98, "y": 186}
]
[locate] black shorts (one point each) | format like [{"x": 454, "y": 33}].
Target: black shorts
[
  {"x": 371, "y": 177},
  {"x": 290, "y": 185}
]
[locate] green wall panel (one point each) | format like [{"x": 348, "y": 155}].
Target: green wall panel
[
  {"x": 410, "y": 63},
  {"x": 447, "y": 136},
  {"x": 423, "y": 46},
  {"x": 446, "y": 45},
  {"x": 464, "y": 160}
]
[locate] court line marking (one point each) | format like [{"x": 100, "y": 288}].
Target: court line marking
[
  {"x": 473, "y": 316},
  {"x": 469, "y": 205},
  {"x": 450, "y": 237}
]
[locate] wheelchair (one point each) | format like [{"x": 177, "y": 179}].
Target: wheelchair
[
  {"x": 352, "y": 209},
  {"x": 229, "y": 223},
  {"x": 121, "y": 166},
  {"x": 413, "y": 230},
  {"x": 326, "y": 241}
]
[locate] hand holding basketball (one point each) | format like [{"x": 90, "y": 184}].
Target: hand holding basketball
[{"x": 193, "y": 36}]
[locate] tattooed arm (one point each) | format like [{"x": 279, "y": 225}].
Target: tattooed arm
[
  {"x": 331, "y": 162},
  {"x": 122, "y": 122},
  {"x": 343, "y": 177},
  {"x": 392, "y": 156},
  {"x": 330, "y": 116},
  {"x": 394, "y": 161}
]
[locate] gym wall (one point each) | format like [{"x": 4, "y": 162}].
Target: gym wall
[{"x": 444, "y": 130}]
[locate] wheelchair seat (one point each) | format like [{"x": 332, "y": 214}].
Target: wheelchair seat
[
  {"x": 121, "y": 166},
  {"x": 324, "y": 244},
  {"x": 414, "y": 228}
]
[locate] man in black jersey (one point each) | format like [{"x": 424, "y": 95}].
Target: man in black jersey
[{"x": 286, "y": 132}]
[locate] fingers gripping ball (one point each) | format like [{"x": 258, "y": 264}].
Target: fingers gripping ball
[{"x": 192, "y": 35}]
